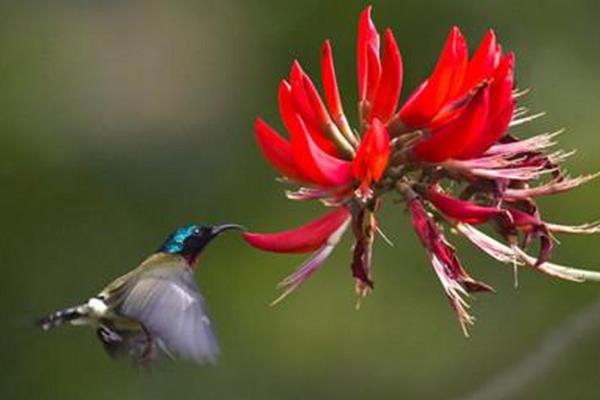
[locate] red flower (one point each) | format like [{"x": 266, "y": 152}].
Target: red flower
[
  {"x": 323, "y": 151},
  {"x": 446, "y": 150},
  {"x": 466, "y": 105}
]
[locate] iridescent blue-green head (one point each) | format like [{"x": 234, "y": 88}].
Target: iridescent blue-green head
[{"x": 190, "y": 240}]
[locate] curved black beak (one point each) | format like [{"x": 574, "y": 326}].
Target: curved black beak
[{"x": 217, "y": 229}]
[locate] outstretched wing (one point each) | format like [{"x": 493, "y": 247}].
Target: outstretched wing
[{"x": 168, "y": 304}]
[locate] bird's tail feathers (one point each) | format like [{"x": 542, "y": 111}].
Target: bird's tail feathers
[{"x": 58, "y": 318}]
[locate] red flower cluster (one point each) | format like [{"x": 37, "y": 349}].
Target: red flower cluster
[{"x": 449, "y": 136}]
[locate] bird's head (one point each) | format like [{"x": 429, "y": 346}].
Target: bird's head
[{"x": 189, "y": 241}]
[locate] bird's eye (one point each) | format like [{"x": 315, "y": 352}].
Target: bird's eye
[{"x": 197, "y": 232}]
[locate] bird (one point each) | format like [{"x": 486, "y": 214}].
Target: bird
[{"x": 156, "y": 309}]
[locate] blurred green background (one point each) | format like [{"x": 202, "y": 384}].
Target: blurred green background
[{"x": 121, "y": 120}]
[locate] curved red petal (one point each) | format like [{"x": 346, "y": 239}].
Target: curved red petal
[
  {"x": 502, "y": 85},
  {"x": 277, "y": 150},
  {"x": 373, "y": 73},
  {"x": 288, "y": 110},
  {"x": 373, "y": 154},
  {"x": 483, "y": 63},
  {"x": 446, "y": 77},
  {"x": 502, "y": 105},
  {"x": 495, "y": 128},
  {"x": 460, "y": 63},
  {"x": 300, "y": 98},
  {"x": 308, "y": 109},
  {"x": 451, "y": 139},
  {"x": 462, "y": 210},
  {"x": 303, "y": 239},
  {"x": 411, "y": 103},
  {"x": 388, "y": 93},
  {"x": 323, "y": 168},
  {"x": 286, "y": 105},
  {"x": 380, "y": 150},
  {"x": 367, "y": 37},
  {"x": 524, "y": 221},
  {"x": 302, "y": 156},
  {"x": 315, "y": 100},
  {"x": 330, "y": 85}
]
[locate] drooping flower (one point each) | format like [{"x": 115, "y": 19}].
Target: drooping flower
[{"x": 446, "y": 149}]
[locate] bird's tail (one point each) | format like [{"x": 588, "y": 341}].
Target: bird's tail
[{"x": 61, "y": 317}]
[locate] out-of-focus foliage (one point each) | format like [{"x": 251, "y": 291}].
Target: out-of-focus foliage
[{"x": 121, "y": 120}]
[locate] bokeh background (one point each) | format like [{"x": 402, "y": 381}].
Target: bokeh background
[{"x": 121, "y": 120}]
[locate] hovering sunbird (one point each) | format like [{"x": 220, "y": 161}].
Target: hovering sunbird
[{"x": 155, "y": 309}]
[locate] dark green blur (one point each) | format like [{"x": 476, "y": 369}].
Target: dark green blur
[{"x": 120, "y": 121}]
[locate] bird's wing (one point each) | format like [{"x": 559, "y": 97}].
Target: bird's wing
[{"x": 168, "y": 304}]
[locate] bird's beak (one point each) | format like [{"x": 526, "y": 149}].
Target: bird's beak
[{"x": 217, "y": 229}]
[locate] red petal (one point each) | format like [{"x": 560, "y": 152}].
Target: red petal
[
  {"x": 501, "y": 110},
  {"x": 300, "y": 98},
  {"x": 451, "y": 139},
  {"x": 373, "y": 72},
  {"x": 502, "y": 85},
  {"x": 483, "y": 63},
  {"x": 306, "y": 109},
  {"x": 462, "y": 210},
  {"x": 303, "y": 239},
  {"x": 316, "y": 102},
  {"x": 321, "y": 167},
  {"x": 494, "y": 130},
  {"x": 286, "y": 105},
  {"x": 332, "y": 93},
  {"x": 288, "y": 110},
  {"x": 373, "y": 154},
  {"x": 367, "y": 37},
  {"x": 524, "y": 221},
  {"x": 442, "y": 84},
  {"x": 386, "y": 100},
  {"x": 277, "y": 150},
  {"x": 379, "y": 152},
  {"x": 451, "y": 110},
  {"x": 461, "y": 62}
]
